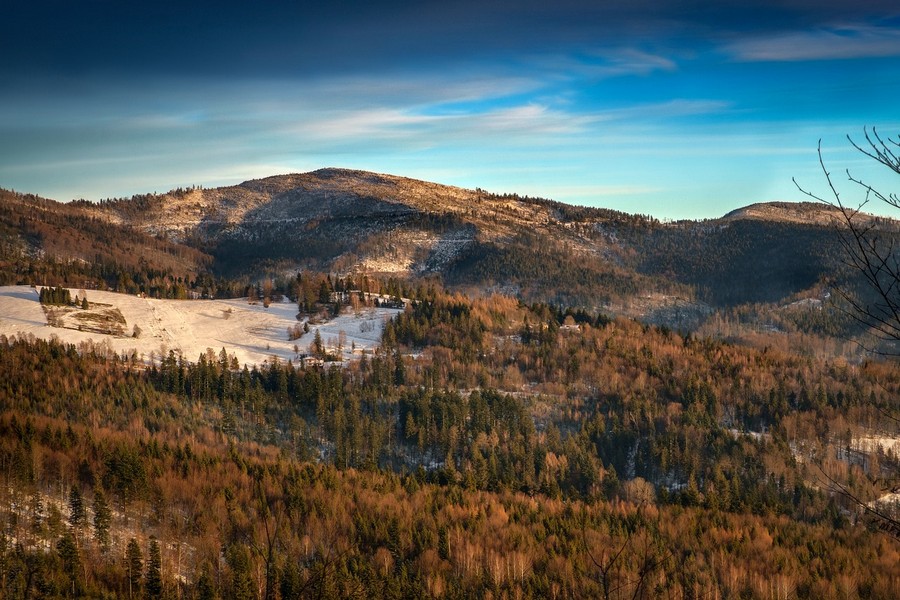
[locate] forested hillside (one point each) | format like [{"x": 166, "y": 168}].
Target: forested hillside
[
  {"x": 354, "y": 222},
  {"x": 744, "y": 261},
  {"x": 45, "y": 242},
  {"x": 516, "y": 434},
  {"x": 489, "y": 448}
]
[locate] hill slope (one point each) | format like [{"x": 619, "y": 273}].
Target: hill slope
[
  {"x": 347, "y": 221},
  {"x": 42, "y": 241}
]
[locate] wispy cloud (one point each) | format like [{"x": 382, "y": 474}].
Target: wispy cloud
[
  {"x": 571, "y": 100},
  {"x": 831, "y": 43},
  {"x": 638, "y": 114},
  {"x": 406, "y": 124},
  {"x": 630, "y": 61},
  {"x": 597, "y": 64},
  {"x": 355, "y": 124}
]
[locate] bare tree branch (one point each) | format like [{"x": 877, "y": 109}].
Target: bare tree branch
[
  {"x": 870, "y": 246},
  {"x": 887, "y": 522}
]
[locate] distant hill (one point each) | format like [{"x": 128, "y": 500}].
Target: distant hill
[
  {"x": 346, "y": 221},
  {"x": 802, "y": 213},
  {"x": 354, "y": 221}
]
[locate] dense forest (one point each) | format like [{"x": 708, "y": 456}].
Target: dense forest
[
  {"x": 489, "y": 448},
  {"x": 722, "y": 260}
]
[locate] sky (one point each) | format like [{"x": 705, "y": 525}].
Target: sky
[{"x": 679, "y": 109}]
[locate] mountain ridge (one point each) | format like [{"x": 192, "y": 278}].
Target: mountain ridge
[
  {"x": 351, "y": 221},
  {"x": 809, "y": 213}
]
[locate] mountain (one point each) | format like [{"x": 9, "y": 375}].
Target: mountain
[
  {"x": 358, "y": 220},
  {"x": 344, "y": 221},
  {"x": 803, "y": 213}
]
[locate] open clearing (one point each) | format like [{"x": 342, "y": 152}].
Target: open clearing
[{"x": 252, "y": 333}]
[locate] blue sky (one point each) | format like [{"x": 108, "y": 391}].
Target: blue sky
[{"x": 675, "y": 109}]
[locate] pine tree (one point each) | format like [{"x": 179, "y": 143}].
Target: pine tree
[
  {"x": 318, "y": 346},
  {"x": 443, "y": 543},
  {"x": 324, "y": 292},
  {"x": 399, "y": 369},
  {"x": 241, "y": 582},
  {"x": 205, "y": 589},
  {"x": 76, "y": 507},
  {"x": 102, "y": 520},
  {"x": 134, "y": 566},
  {"x": 67, "y": 548},
  {"x": 153, "y": 583}
]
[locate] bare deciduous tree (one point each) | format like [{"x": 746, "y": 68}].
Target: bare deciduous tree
[
  {"x": 870, "y": 249},
  {"x": 870, "y": 244}
]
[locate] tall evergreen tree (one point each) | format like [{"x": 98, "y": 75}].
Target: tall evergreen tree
[
  {"x": 134, "y": 566},
  {"x": 102, "y": 520},
  {"x": 153, "y": 584},
  {"x": 67, "y": 548},
  {"x": 205, "y": 588},
  {"x": 76, "y": 507},
  {"x": 241, "y": 582},
  {"x": 318, "y": 347}
]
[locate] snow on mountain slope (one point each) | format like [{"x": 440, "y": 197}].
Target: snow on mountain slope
[
  {"x": 252, "y": 333},
  {"x": 335, "y": 194},
  {"x": 802, "y": 213}
]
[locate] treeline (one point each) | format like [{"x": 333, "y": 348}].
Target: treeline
[
  {"x": 578, "y": 214},
  {"x": 53, "y": 244},
  {"x": 489, "y": 447},
  {"x": 636, "y": 401},
  {"x": 232, "y": 525}
]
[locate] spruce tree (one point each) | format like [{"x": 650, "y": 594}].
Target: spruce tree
[
  {"x": 134, "y": 566},
  {"x": 318, "y": 346},
  {"x": 76, "y": 507},
  {"x": 205, "y": 589},
  {"x": 102, "y": 520},
  {"x": 241, "y": 581},
  {"x": 67, "y": 548},
  {"x": 153, "y": 583}
]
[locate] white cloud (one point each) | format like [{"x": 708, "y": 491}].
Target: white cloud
[
  {"x": 635, "y": 114},
  {"x": 633, "y": 61},
  {"x": 840, "y": 42},
  {"x": 599, "y": 64}
]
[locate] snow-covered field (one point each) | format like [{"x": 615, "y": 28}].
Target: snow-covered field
[{"x": 252, "y": 333}]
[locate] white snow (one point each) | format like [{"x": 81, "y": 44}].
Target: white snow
[
  {"x": 889, "y": 498},
  {"x": 756, "y": 435},
  {"x": 252, "y": 333},
  {"x": 871, "y": 443}
]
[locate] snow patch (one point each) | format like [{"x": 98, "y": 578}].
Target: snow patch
[{"x": 251, "y": 332}]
